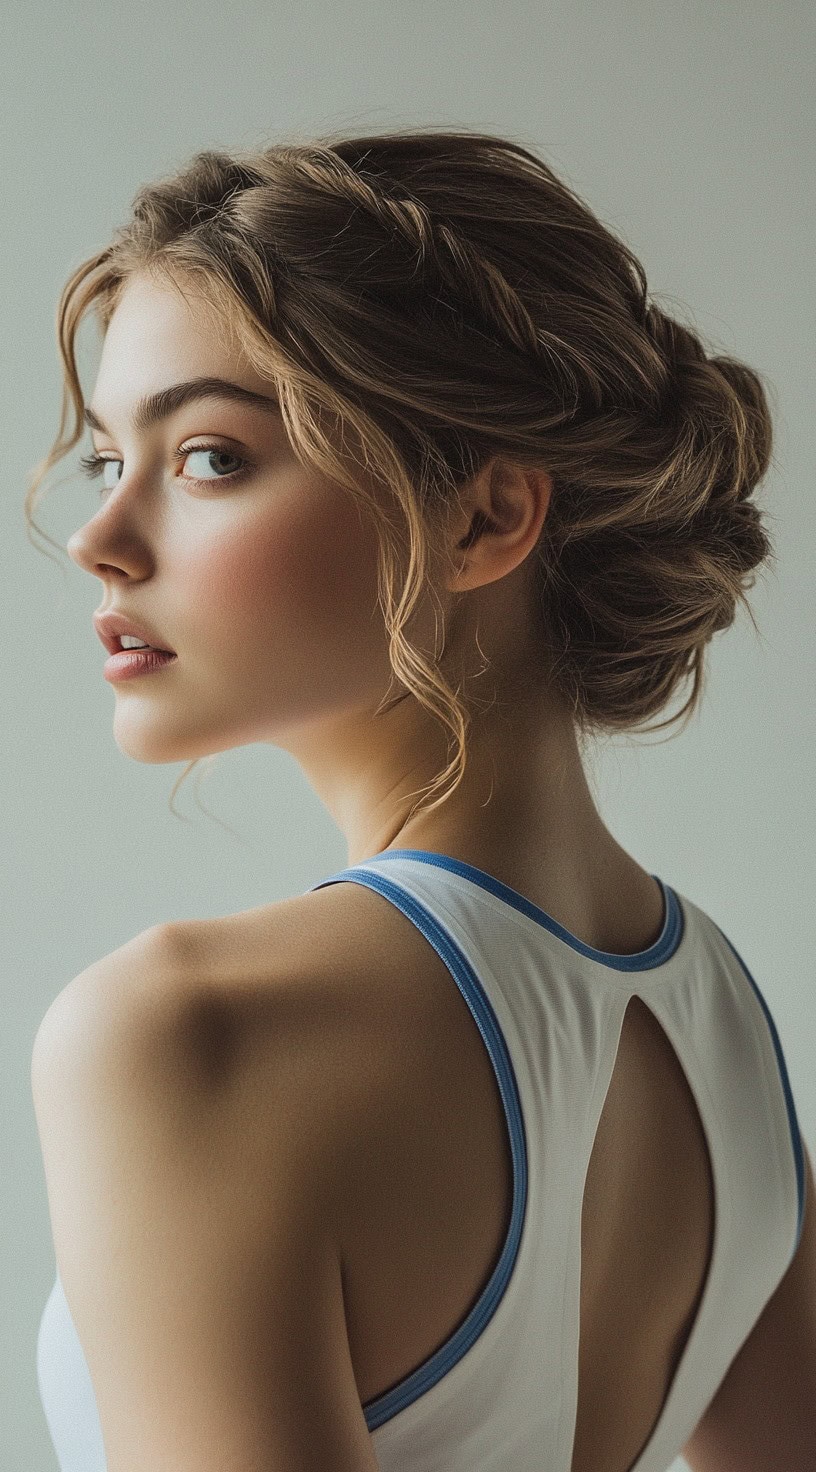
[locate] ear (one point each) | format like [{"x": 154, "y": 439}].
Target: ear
[{"x": 502, "y": 513}]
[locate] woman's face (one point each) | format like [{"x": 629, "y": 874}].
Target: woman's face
[{"x": 259, "y": 574}]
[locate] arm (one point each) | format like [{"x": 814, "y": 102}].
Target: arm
[
  {"x": 763, "y": 1415},
  {"x": 190, "y": 1182}
]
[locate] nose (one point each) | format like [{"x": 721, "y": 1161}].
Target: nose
[
  {"x": 107, "y": 544},
  {"x": 74, "y": 548},
  {"x": 83, "y": 549}
]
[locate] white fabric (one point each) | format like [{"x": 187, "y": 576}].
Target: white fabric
[{"x": 501, "y": 1394}]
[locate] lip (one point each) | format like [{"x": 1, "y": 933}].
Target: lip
[{"x": 110, "y": 627}]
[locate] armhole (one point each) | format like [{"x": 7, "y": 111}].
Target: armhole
[{"x": 793, "y": 1121}]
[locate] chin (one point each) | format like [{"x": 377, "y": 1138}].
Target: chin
[
  {"x": 152, "y": 753},
  {"x": 145, "y": 737},
  {"x": 149, "y": 744}
]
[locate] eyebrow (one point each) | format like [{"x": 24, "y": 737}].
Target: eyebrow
[{"x": 154, "y": 407}]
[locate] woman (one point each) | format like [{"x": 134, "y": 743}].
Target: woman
[{"x": 481, "y": 1153}]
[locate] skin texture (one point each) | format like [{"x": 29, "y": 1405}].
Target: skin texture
[{"x": 265, "y": 586}]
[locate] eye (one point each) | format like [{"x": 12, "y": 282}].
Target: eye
[
  {"x": 209, "y": 452},
  {"x": 93, "y": 465}
]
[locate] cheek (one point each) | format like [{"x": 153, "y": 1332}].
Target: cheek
[{"x": 306, "y": 581}]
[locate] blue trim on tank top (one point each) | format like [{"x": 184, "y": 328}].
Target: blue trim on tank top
[
  {"x": 793, "y": 1122},
  {"x": 662, "y": 949},
  {"x": 443, "y": 1359},
  {"x": 426, "y": 1375}
]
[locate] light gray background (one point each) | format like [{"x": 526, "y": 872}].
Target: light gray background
[{"x": 690, "y": 128}]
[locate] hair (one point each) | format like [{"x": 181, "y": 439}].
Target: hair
[{"x": 444, "y": 297}]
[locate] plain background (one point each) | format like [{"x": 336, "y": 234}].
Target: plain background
[{"x": 690, "y": 129}]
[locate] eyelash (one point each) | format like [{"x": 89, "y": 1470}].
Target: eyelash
[{"x": 93, "y": 464}]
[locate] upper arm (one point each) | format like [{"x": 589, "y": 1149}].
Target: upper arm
[
  {"x": 763, "y": 1416},
  {"x": 191, "y": 1210}
]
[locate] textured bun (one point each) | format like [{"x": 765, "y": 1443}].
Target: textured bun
[
  {"x": 641, "y": 573},
  {"x": 445, "y": 299}
]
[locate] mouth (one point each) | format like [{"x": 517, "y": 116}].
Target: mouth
[
  {"x": 117, "y": 647},
  {"x": 111, "y": 636},
  {"x": 115, "y": 624},
  {"x": 130, "y": 664}
]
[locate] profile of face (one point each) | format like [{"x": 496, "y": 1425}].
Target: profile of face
[{"x": 260, "y": 574}]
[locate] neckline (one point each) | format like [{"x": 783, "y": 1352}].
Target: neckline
[{"x": 657, "y": 954}]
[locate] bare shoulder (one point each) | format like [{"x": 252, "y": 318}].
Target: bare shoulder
[
  {"x": 314, "y": 992},
  {"x": 328, "y": 1016},
  {"x": 253, "y": 1025},
  {"x": 108, "y": 994},
  {"x": 233, "y": 967},
  {"x": 192, "y": 1154},
  {"x": 344, "y": 955},
  {"x": 343, "y": 987}
]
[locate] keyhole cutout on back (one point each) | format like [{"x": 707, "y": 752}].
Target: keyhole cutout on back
[{"x": 657, "y": 1177}]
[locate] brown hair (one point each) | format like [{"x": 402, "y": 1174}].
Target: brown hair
[{"x": 446, "y": 298}]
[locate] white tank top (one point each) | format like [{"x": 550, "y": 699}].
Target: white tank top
[{"x": 501, "y": 1394}]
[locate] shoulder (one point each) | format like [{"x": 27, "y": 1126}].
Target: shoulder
[
  {"x": 297, "y": 1008},
  {"x": 192, "y": 1164},
  {"x": 326, "y": 1024},
  {"x": 101, "y": 1003}
]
